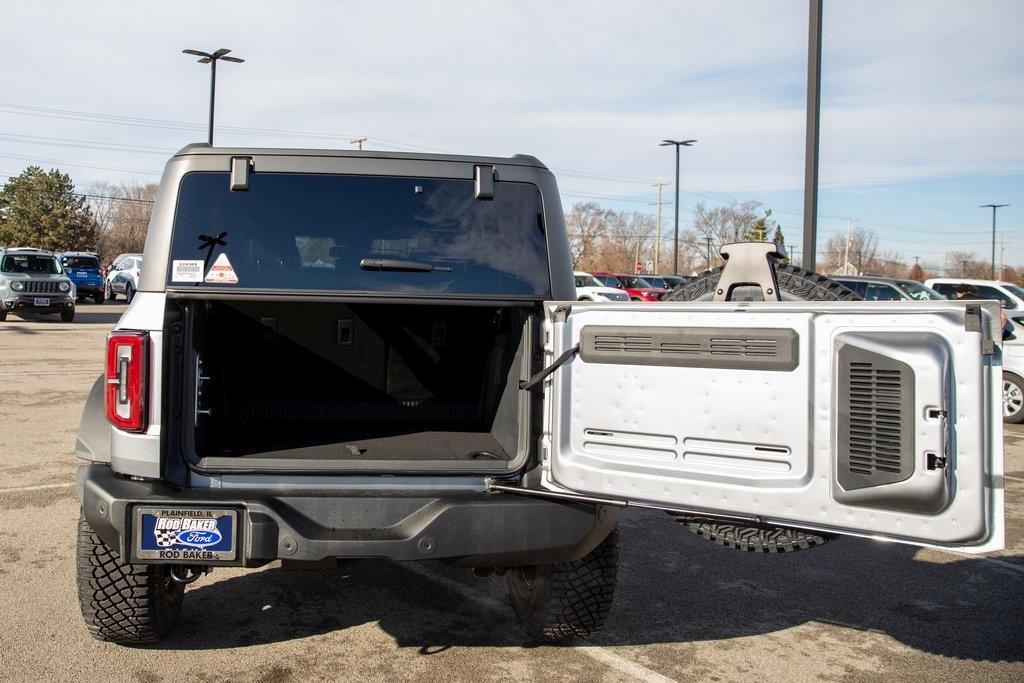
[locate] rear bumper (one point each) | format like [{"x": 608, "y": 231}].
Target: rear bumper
[{"x": 467, "y": 528}]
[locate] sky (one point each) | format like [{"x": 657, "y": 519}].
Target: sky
[{"x": 922, "y": 100}]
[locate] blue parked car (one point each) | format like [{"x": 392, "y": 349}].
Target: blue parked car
[{"x": 83, "y": 268}]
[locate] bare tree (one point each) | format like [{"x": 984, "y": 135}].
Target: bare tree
[
  {"x": 966, "y": 264},
  {"x": 585, "y": 224},
  {"x": 123, "y": 212}
]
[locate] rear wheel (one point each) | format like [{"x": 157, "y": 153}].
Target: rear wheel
[
  {"x": 795, "y": 284},
  {"x": 108, "y": 292},
  {"x": 1013, "y": 399},
  {"x": 566, "y": 600},
  {"x": 129, "y": 604},
  {"x": 98, "y": 297}
]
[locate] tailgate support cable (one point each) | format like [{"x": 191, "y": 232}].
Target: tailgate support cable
[{"x": 543, "y": 374}]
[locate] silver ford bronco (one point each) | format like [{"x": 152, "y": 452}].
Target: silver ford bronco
[{"x": 380, "y": 355}]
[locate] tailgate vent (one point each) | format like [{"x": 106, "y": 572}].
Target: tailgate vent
[
  {"x": 876, "y": 419},
  {"x": 693, "y": 347}
]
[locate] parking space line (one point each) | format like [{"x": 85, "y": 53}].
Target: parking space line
[
  {"x": 1008, "y": 476},
  {"x": 598, "y": 653},
  {"x": 37, "y": 487}
]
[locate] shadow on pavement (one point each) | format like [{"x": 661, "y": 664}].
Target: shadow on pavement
[
  {"x": 83, "y": 316},
  {"x": 673, "y": 588}
]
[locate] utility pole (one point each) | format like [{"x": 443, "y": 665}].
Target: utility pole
[
  {"x": 675, "y": 249},
  {"x": 790, "y": 247},
  {"x": 812, "y": 130},
  {"x": 358, "y": 141},
  {"x": 657, "y": 240},
  {"x": 212, "y": 58},
  {"x": 1002, "y": 253},
  {"x": 708, "y": 240},
  {"x": 846, "y": 249},
  {"x": 993, "y": 207},
  {"x": 963, "y": 268}
]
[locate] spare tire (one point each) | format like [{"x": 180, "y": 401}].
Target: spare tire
[{"x": 795, "y": 284}]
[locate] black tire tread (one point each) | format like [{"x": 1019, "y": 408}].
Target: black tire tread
[
  {"x": 129, "y": 604},
  {"x": 794, "y": 280},
  {"x": 754, "y": 538},
  {"x": 568, "y": 600}
]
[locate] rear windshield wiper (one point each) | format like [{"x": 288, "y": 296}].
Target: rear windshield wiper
[{"x": 402, "y": 266}]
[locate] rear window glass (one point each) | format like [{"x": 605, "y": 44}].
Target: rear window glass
[
  {"x": 38, "y": 265},
  {"x": 362, "y": 233},
  {"x": 80, "y": 262}
]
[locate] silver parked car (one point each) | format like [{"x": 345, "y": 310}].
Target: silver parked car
[{"x": 33, "y": 281}]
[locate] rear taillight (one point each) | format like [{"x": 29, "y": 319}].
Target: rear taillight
[{"x": 127, "y": 369}]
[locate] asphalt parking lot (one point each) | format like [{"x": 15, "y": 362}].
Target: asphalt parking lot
[{"x": 853, "y": 609}]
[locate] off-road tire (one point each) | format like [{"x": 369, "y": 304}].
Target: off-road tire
[
  {"x": 3, "y": 316},
  {"x": 754, "y": 538},
  {"x": 566, "y": 600},
  {"x": 67, "y": 315},
  {"x": 794, "y": 283},
  {"x": 128, "y": 604}
]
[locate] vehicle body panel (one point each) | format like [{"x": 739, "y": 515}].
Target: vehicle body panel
[{"x": 735, "y": 443}]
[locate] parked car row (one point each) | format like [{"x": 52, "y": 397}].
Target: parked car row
[
  {"x": 623, "y": 287},
  {"x": 35, "y": 281}
]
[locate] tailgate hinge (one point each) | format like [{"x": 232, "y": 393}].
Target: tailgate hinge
[{"x": 974, "y": 321}]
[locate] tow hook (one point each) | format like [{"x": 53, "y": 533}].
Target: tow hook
[{"x": 186, "y": 574}]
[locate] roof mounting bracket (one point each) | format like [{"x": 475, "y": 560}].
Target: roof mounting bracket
[
  {"x": 483, "y": 182},
  {"x": 240, "y": 167}
]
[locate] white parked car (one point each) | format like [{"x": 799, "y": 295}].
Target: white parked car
[
  {"x": 1011, "y": 295},
  {"x": 123, "y": 277},
  {"x": 589, "y": 288},
  {"x": 1012, "y": 298}
]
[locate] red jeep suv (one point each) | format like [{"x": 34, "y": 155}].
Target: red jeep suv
[{"x": 638, "y": 288}]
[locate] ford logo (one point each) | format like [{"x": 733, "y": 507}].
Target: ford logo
[{"x": 199, "y": 539}]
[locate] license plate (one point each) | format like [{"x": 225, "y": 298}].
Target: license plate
[
  {"x": 185, "y": 534},
  {"x": 81, "y": 274},
  {"x": 40, "y": 302}
]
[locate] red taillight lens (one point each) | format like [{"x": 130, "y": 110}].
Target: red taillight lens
[{"x": 127, "y": 367}]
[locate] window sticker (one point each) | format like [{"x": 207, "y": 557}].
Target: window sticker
[
  {"x": 187, "y": 270},
  {"x": 222, "y": 272}
]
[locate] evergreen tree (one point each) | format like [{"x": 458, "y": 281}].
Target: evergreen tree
[{"x": 40, "y": 209}]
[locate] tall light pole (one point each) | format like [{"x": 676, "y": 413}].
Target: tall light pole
[
  {"x": 811, "y": 136},
  {"x": 675, "y": 249},
  {"x": 212, "y": 59},
  {"x": 993, "y": 207}
]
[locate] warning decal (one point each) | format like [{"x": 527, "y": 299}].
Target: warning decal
[{"x": 222, "y": 272}]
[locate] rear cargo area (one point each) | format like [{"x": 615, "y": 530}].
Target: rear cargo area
[{"x": 320, "y": 386}]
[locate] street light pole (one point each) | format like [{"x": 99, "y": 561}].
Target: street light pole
[
  {"x": 811, "y": 136},
  {"x": 993, "y": 207},
  {"x": 212, "y": 58},
  {"x": 675, "y": 248}
]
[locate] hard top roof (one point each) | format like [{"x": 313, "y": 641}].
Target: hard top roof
[{"x": 204, "y": 149}]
